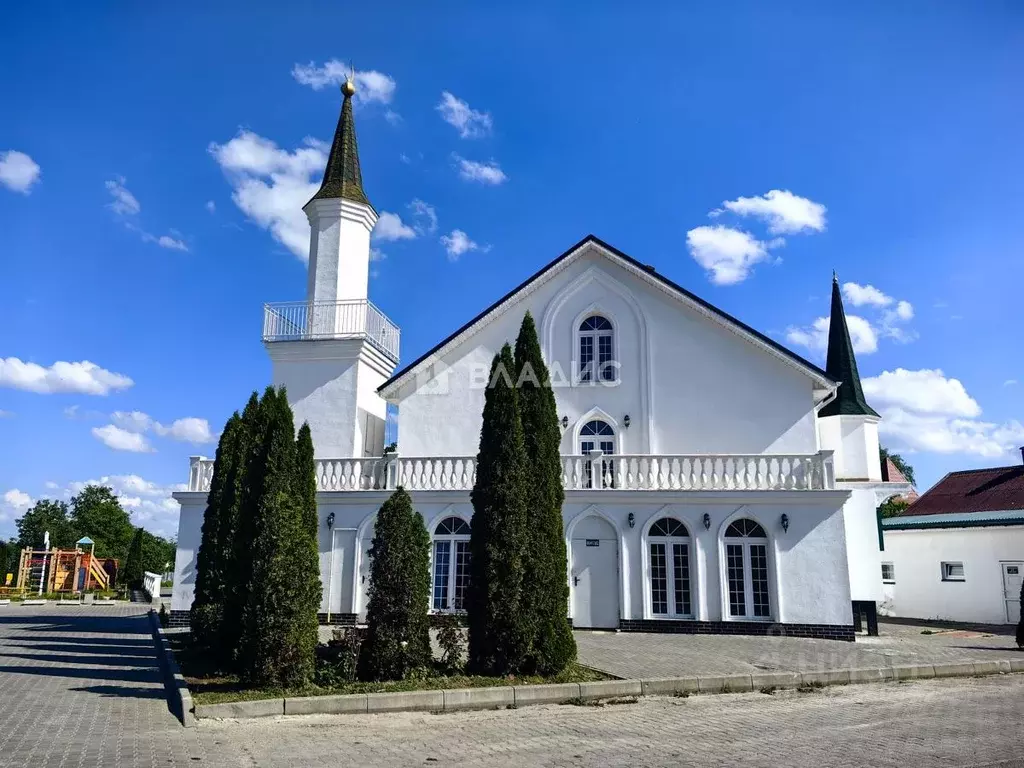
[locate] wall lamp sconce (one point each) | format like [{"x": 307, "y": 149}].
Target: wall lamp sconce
[
  {"x": 625, "y": 421},
  {"x": 631, "y": 519},
  {"x": 785, "y": 521},
  {"x": 565, "y": 422},
  {"x": 707, "y": 522},
  {"x": 330, "y": 520}
]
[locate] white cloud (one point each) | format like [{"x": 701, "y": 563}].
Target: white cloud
[
  {"x": 425, "y": 216},
  {"x": 6, "y": 414},
  {"x": 1010, "y": 383},
  {"x": 727, "y": 254},
  {"x": 121, "y": 439},
  {"x": 376, "y": 254},
  {"x": 815, "y": 337},
  {"x": 271, "y": 184},
  {"x": 389, "y": 228},
  {"x": 211, "y": 206},
  {"x": 926, "y": 411},
  {"x": 785, "y": 212},
  {"x": 124, "y": 202},
  {"x": 486, "y": 173},
  {"x": 18, "y": 171},
  {"x": 458, "y": 243},
  {"x": 17, "y": 500},
  {"x": 859, "y": 295},
  {"x": 83, "y": 377},
  {"x": 188, "y": 430},
  {"x": 467, "y": 121},
  {"x": 371, "y": 85}
]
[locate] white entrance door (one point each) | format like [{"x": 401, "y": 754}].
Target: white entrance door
[
  {"x": 595, "y": 575},
  {"x": 1012, "y": 574}
]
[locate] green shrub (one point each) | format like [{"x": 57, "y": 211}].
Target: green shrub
[
  {"x": 337, "y": 662},
  {"x": 451, "y": 637}
]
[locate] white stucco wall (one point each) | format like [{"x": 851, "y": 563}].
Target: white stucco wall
[
  {"x": 688, "y": 384},
  {"x": 854, "y": 442},
  {"x": 339, "y": 249},
  {"x": 808, "y": 567},
  {"x": 860, "y": 520},
  {"x": 919, "y": 591},
  {"x": 329, "y": 382}
]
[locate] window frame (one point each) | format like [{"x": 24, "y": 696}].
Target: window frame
[
  {"x": 747, "y": 544},
  {"x": 595, "y": 371},
  {"x": 669, "y": 542},
  {"x": 457, "y": 544},
  {"x": 599, "y": 441},
  {"x": 947, "y": 567}
]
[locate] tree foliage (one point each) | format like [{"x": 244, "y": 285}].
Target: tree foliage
[
  {"x": 279, "y": 621},
  {"x": 96, "y": 513},
  {"x": 131, "y": 571},
  {"x": 546, "y": 589},
  {"x": 398, "y": 631},
  {"x": 213, "y": 558},
  {"x": 901, "y": 464},
  {"x": 501, "y": 629},
  {"x": 892, "y": 507},
  {"x": 46, "y": 515}
]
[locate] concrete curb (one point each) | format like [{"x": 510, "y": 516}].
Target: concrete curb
[
  {"x": 503, "y": 697},
  {"x": 180, "y": 697}
]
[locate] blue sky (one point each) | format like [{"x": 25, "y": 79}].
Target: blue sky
[{"x": 151, "y": 160}]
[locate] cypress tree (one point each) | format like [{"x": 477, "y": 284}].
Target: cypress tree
[
  {"x": 305, "y": 477},
  {"x": 211, "y": 559},
  {"x": 236, "y": 533},
  {"x": 546, "y": 590},
  {"x": 131, "y": 574},
  {"x": 398, "y": 629},
  {"x": 500, "y": 629},
  {"x": 279, "y": 623}
]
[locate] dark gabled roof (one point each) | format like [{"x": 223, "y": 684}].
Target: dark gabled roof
[
  {"x": 841, "y": 365},
  {"x": 998, "y": 489},
  {"x": 343, "y": 177},
  {"x": 646, "y": 268}
]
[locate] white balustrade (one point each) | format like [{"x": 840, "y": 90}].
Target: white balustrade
[
  {"x": 312, "y": 320},
  {"x": 596, "y": 471}
]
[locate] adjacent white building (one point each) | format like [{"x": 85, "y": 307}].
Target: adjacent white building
[
  {"x": 957, "y": 553},
  {"x": 715, "y": 481}
]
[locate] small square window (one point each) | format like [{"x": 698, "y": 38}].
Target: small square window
[
  {"x": 888, "y": 573},
  {"x": 953, "y": 572}
]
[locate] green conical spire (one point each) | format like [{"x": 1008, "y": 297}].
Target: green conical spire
[
  {"x": 342, "y": 178},
  {"x": 841, "y": 365}
]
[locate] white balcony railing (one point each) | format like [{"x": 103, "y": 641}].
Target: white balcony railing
[
  {"x": 627, "y": 472},
  {"x": 313, "y": 320}
]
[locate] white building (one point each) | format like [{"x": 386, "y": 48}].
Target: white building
[
  {"x": 957, "y": 553},
  {"x": 715, "y": 481}
]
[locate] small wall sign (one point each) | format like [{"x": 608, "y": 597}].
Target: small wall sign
[{"x": 593, "y": 542}]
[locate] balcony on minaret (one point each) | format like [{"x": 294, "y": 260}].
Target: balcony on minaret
[{"x": 327, "y": 320}]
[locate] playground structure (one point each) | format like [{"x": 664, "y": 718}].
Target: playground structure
[{"x": 65, "y": 570}]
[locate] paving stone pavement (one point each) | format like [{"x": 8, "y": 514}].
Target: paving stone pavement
[
  {"x": 638, "y": 655},
  {"x": 81, "y": 687}
]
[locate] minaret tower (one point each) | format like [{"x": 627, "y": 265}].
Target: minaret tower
[
  {"x": 847, "y": 424},
  {"x": 335, "y": 348}
]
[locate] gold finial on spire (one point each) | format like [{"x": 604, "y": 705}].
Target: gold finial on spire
[{"x": 348, "y": 88}]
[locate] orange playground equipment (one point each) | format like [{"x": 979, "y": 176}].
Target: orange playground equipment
[{"x": 64, "y": 570}]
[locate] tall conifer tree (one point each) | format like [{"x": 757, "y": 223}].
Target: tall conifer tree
[
  {"x": 500, "y": 629},
  {"x": 279, "y": 622},
  {"x": 131, "y": 575},
  {"x": 546, "y": 591},
  {"x": 398, "y": 629},
  {"x": 208, "y": 604}
]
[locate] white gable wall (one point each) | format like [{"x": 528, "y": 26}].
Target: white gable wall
[{"x": 688, "y": 384}]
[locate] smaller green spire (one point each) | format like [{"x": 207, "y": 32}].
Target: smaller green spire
[
  {"x": 841, "y": 364},
  {"x": 342, "y": 177}
]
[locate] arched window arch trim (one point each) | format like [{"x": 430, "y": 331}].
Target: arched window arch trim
[
  {"x": 596, "y": 343},
  {"x": 449, "y": 561}
]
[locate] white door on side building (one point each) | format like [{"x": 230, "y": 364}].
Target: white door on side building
[
  {"x": 595, "y": 576},
  {"x": 1012, "y": 573}
]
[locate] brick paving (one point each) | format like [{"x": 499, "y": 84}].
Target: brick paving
[
  {"x": 636, "y": 655},
  {"x": 81, "y": 687}
]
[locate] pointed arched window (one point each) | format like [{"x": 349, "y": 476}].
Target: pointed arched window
[
  {"x": 746, "y": 557},
  {"x": 597, "y": 350},
  {"x": 668, "y": 547}
]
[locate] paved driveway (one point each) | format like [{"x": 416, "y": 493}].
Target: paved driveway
[
  {"x": 638, "y": 655},
  {"x": 81, "y": 687}
]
